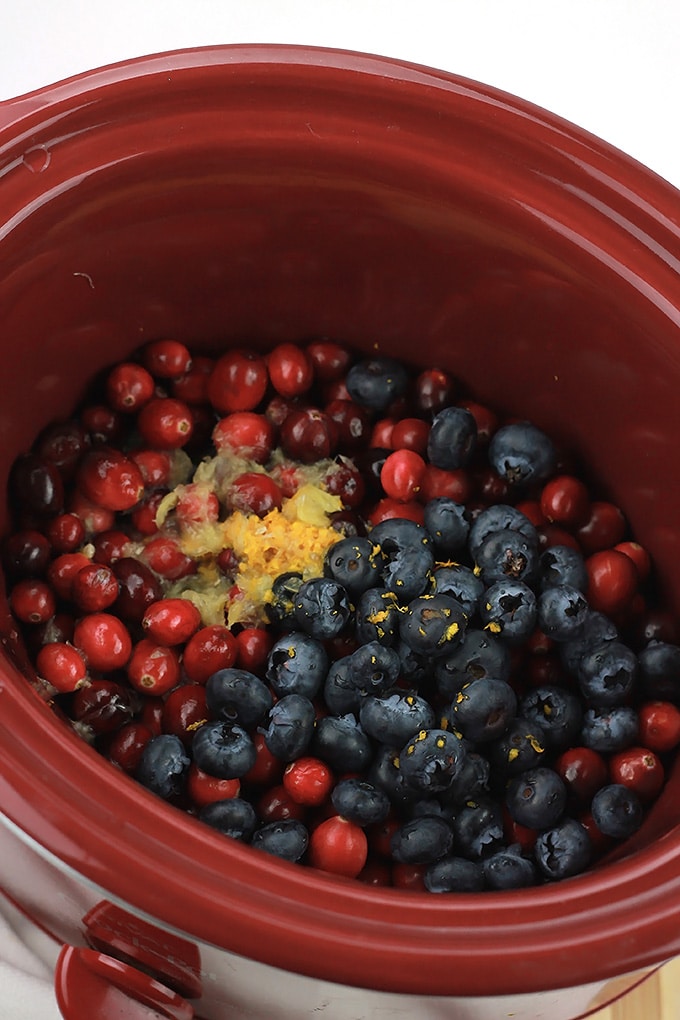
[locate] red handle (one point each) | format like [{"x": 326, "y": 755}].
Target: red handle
[{"x": 91, "y": 984}]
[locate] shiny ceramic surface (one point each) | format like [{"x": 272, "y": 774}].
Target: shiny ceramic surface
[{"x": 255, "y": 194}]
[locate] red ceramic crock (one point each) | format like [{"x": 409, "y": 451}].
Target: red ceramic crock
[{"x": 253, "y": 194}]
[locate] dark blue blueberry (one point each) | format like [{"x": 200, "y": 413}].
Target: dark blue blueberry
[
  {"x": 556, "y": 713},
  {"x": 395, "y": 717},
  {"x": 660, "y": 671},
  {"x": 536, "y": 798},
  {"x": 521, "y": 747},
  {"x": 422, "y": 840},
  {"x": 471, "y": 783},
  {"x": 360, "y": 801},
  {"x": 483, "y": 709},
  {"x": 297, "y": 664},
  {"x": 562, "y": 612},
  {"x": 322, "y": 608},
  {"x": 597, "y": 628},
  {"x": 610, "y": 729},
  {"x": 461, "y": 583},
  {"x": 377, "y": 617},
  {"x": 563, "y": 850},
  {"x": 509, "y": 869},
  {"x": 617, "y": 811},
  {"x": 454, "y": 875},
  {"x": 607, "y": 674},
  {"x": 235, "y": 695},
  {"x": 280, "y": 609},
  {"x": 497, "y": 518},
  {"x": 223, "y": 750},
  {"x": 478, "y": 828},
  {"x": 479, "y": 655},
  {"x": 433, "y": 625},
  {"x": 407, "y": 555},
  {"x": 561, "y": 564},
  {"x": 448, "y": 525},
  {"x": 355, "y": 563},
  {"x": 507, "y": 554},
  {"x": 376, "y": 382},
  {"x": 385, "y": 773},
  {"x": 430, "y": 762},
  {"x": 371, "y": 669},
  {"x": 452, "y": 439},
  {"x": 341, "y": 742},
  {"x": 163, "y": 766},
  {"x": 417, "y": 669},
  {"x": 508, "y": 608},
  {"x": 521, "y": 453},
  {"x": 340, "y": 693},
  {"x": 290, "y": 727},
  {"x": 287, "y": 839},
  {"x": 235, "y": 818}
]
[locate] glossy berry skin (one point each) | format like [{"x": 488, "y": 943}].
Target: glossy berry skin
[
  {"x": 352, "y": 423},
  {"x": 609, "y": 730},
  {"x": 192, "y": 385},
  {"x": 478, "y": 828},
  {"x": 617, "y": 811},
  {"x": 354, "y": 563},
  {"x": 338, "y": 846},
  {"x": 165, "y": 423},
  {"x": 297, "y": 664},
  {"x": 447, "y": 523},
  {"x": 308, "y": 435},
  {"x": 165, "y": 557},
  {"x": 290, "y": 726},
  {"x": 238, "y": 382},
  {"x": 563, "y": 850},
  {"x": 35, "y": 486},
  {"x": 127, "y": 744},
  {"x": 65, "y": 533},
  {"x": 163, "y": 766},
  {"x": 223, "y": 750},
  {"x": 483, "y": 709},
  {"x": 291, "y": 371},
  {"x": 561, "y": 612},
  {"x": 103, "y": 640},
  {"x": 32, "y": 601},
  {"x": 360, "y": 801},
  {"x": 422, "y": 840},
  {"x": 61, "y": 665},
  {"x": 233, "y": 817},
  {"x": 26, "y": 553},
  {"x": 433, "y": 625},
  {"x": 452, "y": 874},
  {"x": 640, "y": 769},
  {"x": 556, "y": 712},
  {"x": 171, "y": 621},
  {"x": 395, "y": 717},
  {"x": 536, "y": 798},
  {"x": 245, "y": 434},
  {"x": 235, "y": 695},
  {"x": 287, "y": 839},
  {"x": 507, "y": 554},
  {"x": 560, "y": 564},
  {"x": 322, "y": 608},
  {"x": 565, "y": 500},
  {"x": 612, "y": 581},
  {"x": 509, "y": 869},
  {"x": 308, "y": 781},
  {"x": 128, "y": 387},
  {"x": 94, "y": 588},
  {"x": 204, "y": 789},
  {"x": 329, "y": 360},
  {"x": 103, "y": 706},
  {"x": 138, "y": 588},
  {"x": 583, "y": 771},
  {"x": 211, "y": 648},
  {"x": 153, "y": 669},
  {"x": 452, "y": 439},
  {"x": 605, "y": 527},
  {"x": 430, "y": 762},
  {"x": 166, "y": 358},
  {"x": 253, "y": 647},
  {"x": 342, "y": 743},
  {"x": 659, "y": 725},
  {"x": 376, "y": 382},
  {"x": 522, "y": 453},
  {"x": 411, "y": 434},
  {"x": 402, "y": 475},
  {"x": 254, "y": 492},
  {"x": 110, "y": 479},
  {"x": 184, "y": 709},
  {"x": 509, "y": 608}
]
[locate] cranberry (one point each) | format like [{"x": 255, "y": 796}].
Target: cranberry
[
  {"x": 438, "y": 483},
  {"x": 61, "y": 665},
  {"x": 308, "y": 436},
  {"x": 531, "y": 508},
  {"x": 565, "y": 500},
  {"x": 104, "y": 641},
  {"x": 388, "y": 508},
  {"x": 65, "y": 533},
  {"x": 640, "y": 769},
  {"x": 152, "y": 714},
  {"x": 126, "y": 747},
  {"x": 433, "y": 390},
  {"x": 171, "y": 621},
  {"x": 330, "y": 361},
  {"x": 485, "y": 419},
  {"x": 26, "y": 553},
  {"x": 489, "y": 486},
  {"x": 551, "y": 534},
  {"x": 238, "y": 382},
  {"x": 268, "y": 769},
  {"x": 204, "y": 789},
  {"x": 192, "y": 386},
  {"x": 36, "y": 486},
  {"x": 165, "y": 423},
  {"x": 408, "y": 876},
  {"x": 381, "y": 435},
  {"x": 138, "y": 588},
  {"x": 144, "y": 516},
  {"x": 659, "y": 725},
  {"x": 211, "y": 648},
  {"x": 380, "y": 836},
  {"x": 245, "y": 434},
  {"x": 254, "y": 492},
  {"x": 128, "y": 387},
  {"x": 103, "y": 425},
  {"x": 63, "y": 444},
  {"x": 110, "y": 546},
  {"x": 155, "y": 467},
  {"x": 166, "y": 359},
  {"x": 638, "y": 555},
  {"x": 63, "y": 570},
  {"x": 196, "y": 504},
  {"x": 166, "y": 558},
  {"x": 612, "y": 581},
  {"x": 32, "y": 600},
  {"x": 95, "y": 518},
  {"x": 339, "y": 847},
  {"x": 411, "y": 434},
  {"x": 605, "y": 527},
  {"x": 94, "y": 588},
  {"x": 402, "y": 475},
  {"x": 291, "y": 371},
  {"x": 346, "y": 482},
  {"x": 153, "y": 669},
  {"x": 103, "y": 706},
  {"x": 352, "y": 423},
  {"x": 59, "y": 628},
  {"x": 309, "y": 781},
  {"x": 184, "y": 710},
  {"x": 583, "y": 770},
  {"x": 276, "y": 805},
  {"x": 253, "y": 647}
]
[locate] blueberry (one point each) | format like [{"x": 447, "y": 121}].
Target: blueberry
[
  {"x": 360, "y": 801},
  {"x": 415, "y": 668},
  {"x": 607, "y": 674},
  {"x": 430, "y": 762},
  {"x": 395, "y": 717},
  {"x": 507, "y": 554},
  {"x": 355, "y": 563},
  {"x": 536, "y": 798},
  {"x": 479, "y": 655},
  {"x": 235, "y": 695},
  {"x": 483, "y": 709},
  {"x": 617, "y": 811},
  {"x": 563, "y": 850},
  {"x": 297, "y": 664},
  {"x": 235, "y": 818},
  {"x": 422, "y": 840},
  {"x": 322, "y": 608},
  {"x": 376, "y": 382},
  {"x": 509, "y": 869},
  {"x": 660, "y": 671},
  {"x": 521, "y": 747},
  {"x": 556, "y": 713},
  {"x": 461, "y": 583},
  {"x": 471, "y": 783},
  {"x": 521, "y": 453},
  {"x": 433, "y": 625},
  {"x": 341, "y": 742},
  {"x": 478, "y": 828},
  {"x": 508, "y": 608},
  {"x": 610, "y": 729},
  {"x": 454, "y": 874},
  {"x": 561, "y": 612},
  {"x": 407, "y": 555},
  {"x": 163, "y": 766},
  {"x": 377, "y": 617},
  {"x": 223, "y": 750},
  {"x": 497, "y": 518},
  {"x": 447, "y": 523},
  {"x": 287, "y": 839},
  {"x": 281, "y": 607},
  {"x": 561, "y": 564},
  {"x": 596, "y": 628},
  {"x": 290, "y": 727},
  {"x": 386, "y": 774},
  {"x": 452, "y": 439}
]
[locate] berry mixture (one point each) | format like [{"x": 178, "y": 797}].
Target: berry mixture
[{"x": 337, "y": 609}]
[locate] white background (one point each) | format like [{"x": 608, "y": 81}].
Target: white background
[{"x": 611, "y": 66}]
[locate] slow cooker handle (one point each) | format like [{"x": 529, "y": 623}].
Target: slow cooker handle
[{"x": 91, "y": 984}]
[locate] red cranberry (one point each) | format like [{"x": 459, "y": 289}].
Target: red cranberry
[
  {"x": 433, "y": 390},
  {"x": 388, "y": 508},
  {"x": 204, "y": 789},
  {"x": 605, "y": 527},
  {"x": 63, "y": 444},
  {"x": 184, "y": 710},
  {"x": 565, "y": 500},
  {"x": 255, "y": 492},
  {"x": 153, "y": 669},
  {"x": 211, "y": 648},
  {"x": 347, "y": 483},
  {"x": 402, "y": 475},
  {"x": 196, "y": 504},
  {"x": 61, "y": 665},
  {"x": 309, "y": 781},
  {"x": 659, "y": 725},
  {"x": 126, "y": 747},
  {"x": 291, "y": 371},
  {"x": 165, "y": 423},
  {"x": 128, "y": 387},
  {"x": 171, "y": 621},
  {"x": 110, "y": 546},
  {"x": 253, "y": 647},
  {"x": 329, "y": 360},
  {"x": 268, "y": 769},
  {"x": 166, "y": 558},
  {"x": 62, "y": 572},
  {"x": 36, "y": 486},
  {"x": 166, "y": 359},
  {"x": 238, "y": 382},
  {"x": 584, "y": 771},
  {"x": 381, "y": 434},
  {"x": 276, "y": 805},
  {"x": 245, "y": 434},
  {"x": 485, "y": 419},
  {"x": 338, "y": 846},
  {"x": 155, "y": 467},
  {"x": 138, "y": 588},
  {"x": 409, "y": 876},
  {"x": 26, "y": 553},
  {"x": 65, "y": 533},
  {"x": 309, "y": 436},
  {"x": 351, "y": 421},
  {"x": 104, "y": 641},
  {"x": 94, "y": 588},
  {"x": 103, "y": 705},
  {"x": 375, "y": 873},
  {"x": 411, "y": 434},
  {"x": 640, "y": 769},
  {"x": 95, "y": 518},
  {"x": 638, "y": 555},
  {"x": 144, "y": 516},
  {"x": 192, "y": 386},
  {"x": 612, "y": 581},
  {"x": 103, "y": 425},
  {"x": 437, "y": 483},
  {"x": 32, "y": 600}
]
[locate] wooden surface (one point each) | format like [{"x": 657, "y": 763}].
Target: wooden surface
[{"x": 657, "y": 998}]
